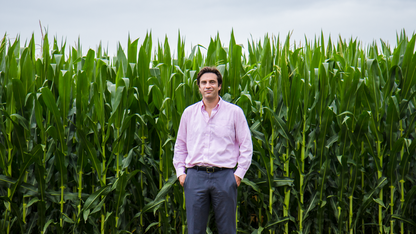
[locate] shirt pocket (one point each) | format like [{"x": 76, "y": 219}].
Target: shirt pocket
[{"x": 224, "y": 130}]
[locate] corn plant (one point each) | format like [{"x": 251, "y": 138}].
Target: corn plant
[{"x": 86, "y": 140}]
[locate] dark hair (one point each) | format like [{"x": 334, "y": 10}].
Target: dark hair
[{"x": 210, "y": 70}]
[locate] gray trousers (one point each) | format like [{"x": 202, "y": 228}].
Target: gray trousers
[{"x": 219, "y": 189}]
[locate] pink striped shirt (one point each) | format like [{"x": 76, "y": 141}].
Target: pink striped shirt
[{"x": 222, "y": 140}]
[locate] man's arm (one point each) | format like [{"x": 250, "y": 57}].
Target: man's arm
[
  {"x": 243, "y": 137},
  {"x": 181, "y": 151}
]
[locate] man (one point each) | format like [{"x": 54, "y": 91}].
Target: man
[{"x": 213, "y": 138}]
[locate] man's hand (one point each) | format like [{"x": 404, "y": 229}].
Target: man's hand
[
  {"x": 237, "y": 179},
  {"x": 182, "y": 179}
]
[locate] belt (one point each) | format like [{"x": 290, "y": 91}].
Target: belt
[{"x": 209, "y": 169}]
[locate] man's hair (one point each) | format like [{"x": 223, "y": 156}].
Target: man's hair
[{"x": 210, "y": 70}]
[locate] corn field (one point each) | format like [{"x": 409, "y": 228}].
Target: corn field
[{"x": 86, "y": 140}]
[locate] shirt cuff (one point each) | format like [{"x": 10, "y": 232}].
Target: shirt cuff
[
  {"x": 180, "y": 171},
  {"x": 240, "y": 172}
]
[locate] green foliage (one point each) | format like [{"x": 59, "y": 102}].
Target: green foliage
[{"x": 86, "y": 141}]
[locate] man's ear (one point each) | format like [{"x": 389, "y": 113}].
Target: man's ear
[{"x": 219, "y": 87}]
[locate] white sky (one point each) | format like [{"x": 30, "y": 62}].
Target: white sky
[{"x": 112, "y": 21}]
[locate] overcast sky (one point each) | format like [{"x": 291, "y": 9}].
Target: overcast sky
[{"x": 112, "y": 21}]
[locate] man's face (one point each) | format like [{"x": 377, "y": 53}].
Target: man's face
[{"x": 208, "y": 86}]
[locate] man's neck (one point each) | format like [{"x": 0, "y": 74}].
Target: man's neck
[{"x": 210, "y": 104}]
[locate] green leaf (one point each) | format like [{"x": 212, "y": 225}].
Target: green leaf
[
  {"x": 86, "y": 213},
  {"x": 282, "y": 128},
  {"x": 127, "y": 160},
  {"x": 67, "y": 219},
  {"x": 22, "y": 121},
  {"x": 122, "y": 61},
  {"x": 312, "y": 204},
  {"x": 60, "y": 163},
  {"x": 278, "y": 182},
  {"x": 22, "y": 172},
  {"x": 296, "y": 87},
  {"x": 132, "y": 51},
  {"x": 258, "y": 231},
  {"x": 3, "y": 157},
  {"x": 251, "y": 184},
  {"x": 91, "y": 153},
  {"x": 18, "y": 93},
  {"x": 95, "y": 197},
  {"x": 410, "y": 195},
  {"x": 47, "y": 225},
  {"x": 409, "y": 221},
  {"x": 8, "y": 180},
  {"x": 39, "y": 174},
  {"x": 157, "y": 96},
  {"x": 89, "y": 64},
  {"x": 380, "y": 202},
  {"x": 160, "y": 197},
  {"x": 234, "y": 70},
  {"x": 151, "y": 225},
  {"x": 409, "y": 68},
  {"x": 64, "y": 93},
  {"x": 144, "y": 73},
  {"x": 368, "y": 198},
  {"x": 276, "y": 222},
  {"x": 121, "y": 191},
  {"x": 50, "y": 102},
  {"x": 96, "y": 208}
]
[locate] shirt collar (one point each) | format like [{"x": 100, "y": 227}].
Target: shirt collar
[{"x": 216, "y": 107}]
